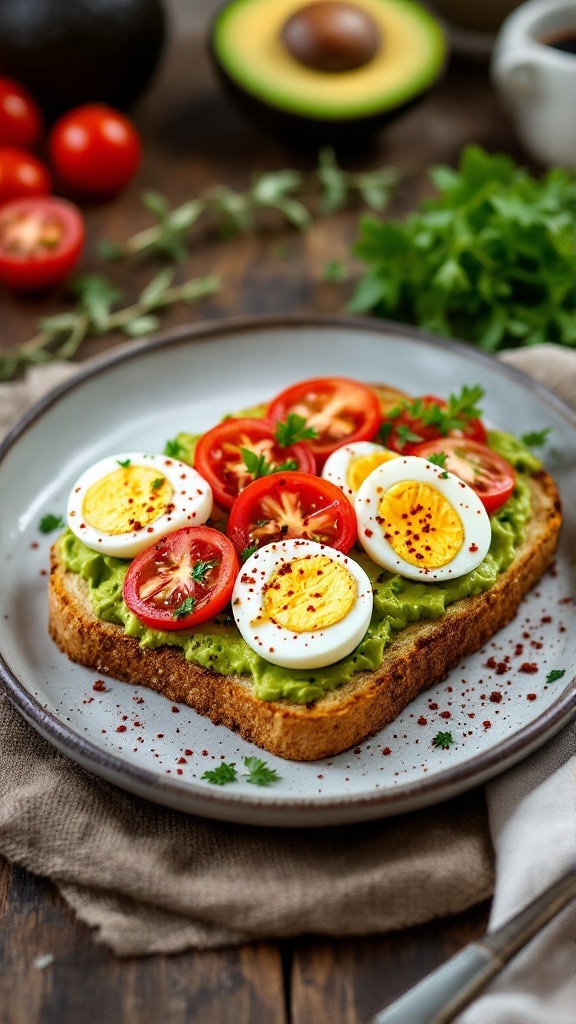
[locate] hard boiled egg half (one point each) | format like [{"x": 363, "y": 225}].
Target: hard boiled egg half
[
  {"x": 300, "y": 604},
  {"x": 349, "y": 465},
  {"x": 124, "y": 502},
  {"x": 416, "y": 519}
]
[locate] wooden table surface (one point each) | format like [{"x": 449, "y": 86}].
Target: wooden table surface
[{"x": 193, "y": 139}]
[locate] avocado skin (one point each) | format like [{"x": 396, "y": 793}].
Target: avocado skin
[
  {"x": 308, "y": 133},
  {"x": 69, "y": 52}
]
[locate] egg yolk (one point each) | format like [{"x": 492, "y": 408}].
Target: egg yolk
[
  {"x": 361, "y": 467},
  {"x": 309, "y": 593},
  {"x": 420, "y": 524},
  {"x": 128, "y": 499}
]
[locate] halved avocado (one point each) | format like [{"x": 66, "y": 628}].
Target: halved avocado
[{"x": 266, "y": 66}]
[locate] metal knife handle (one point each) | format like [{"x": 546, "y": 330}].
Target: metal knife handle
[{"x": 437, "y": 998}]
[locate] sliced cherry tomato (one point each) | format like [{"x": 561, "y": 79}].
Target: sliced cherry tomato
[
  {"x": 94, "y": 150},
  {"x": 413, "y": 422},
  {"x": 338, "y": 409},
  {"x": 184, "y": 579},
  {"x": 41, "y": 238},
  {"x": 487, "y": 472},
  {"x": 22, "y": 174},
  {"x": 20, "y": 117},
  {"x": 288, "y": 505},
  {"x": 237, "y": 451}
]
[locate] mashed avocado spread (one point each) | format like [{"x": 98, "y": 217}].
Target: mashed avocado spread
[{"x": 217, "y": 645}]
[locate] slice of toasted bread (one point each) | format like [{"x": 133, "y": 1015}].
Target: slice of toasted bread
[{"x": 418, "y": 657}]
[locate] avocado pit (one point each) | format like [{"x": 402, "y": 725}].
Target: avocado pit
[{"x": 331, "y": 36}]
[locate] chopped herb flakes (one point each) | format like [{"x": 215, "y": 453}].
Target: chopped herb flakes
[
  {"x": 443, "y": 740},
  {"x": 50, "y": 522},
  {"x": 257, "y": 772}
]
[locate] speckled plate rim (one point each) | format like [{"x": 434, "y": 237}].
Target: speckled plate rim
[{"x": 280, "y": 811}]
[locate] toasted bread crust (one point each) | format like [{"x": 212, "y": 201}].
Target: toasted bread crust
[{"x": 420, "y": 655}]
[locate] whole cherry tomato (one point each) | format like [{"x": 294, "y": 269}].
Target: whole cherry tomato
[
  {"x": 41, "y": 239},
  {"x": 94, "y": 150},
  {"x": 20, "y": 118},
  {"x": 22, "y": 174}
]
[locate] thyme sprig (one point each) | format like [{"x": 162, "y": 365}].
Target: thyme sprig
[
  {"x": 94, "y": 314},
  {"x": 295, "y": 196}
]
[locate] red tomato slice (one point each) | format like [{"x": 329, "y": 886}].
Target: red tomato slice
[
  {"x": 22, "y": 174},
  {"x": 338, "y": 409},
  {"x": 487, "y": 472},
  {"x": 182, "y": 580},
  {"x": 414, "y": 423},
  {"x": 41, "y": 238},
  {"x": 220, "y": 456},
  {"x": 288, "y": 505}
]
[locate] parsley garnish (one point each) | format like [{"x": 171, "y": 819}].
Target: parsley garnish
[
  {"x": 245, "y": 554},
  {"x": 405, "y": 434},
  {"x": 124, "y": 463},
  {"x": 437, "y": 458},
  {"x": 184, "y": 609},
  {"x": 258, "y": 772},
  {"x": 221, "y": 775},
  {"x": 199, "y": 569},
  {"x": 443, "y": 740},
  {"x": 157, "y": 483},
  {"x": 173, "y": 449},
  {"x": 536, "y": 438},
  {"x": 257, "y": 465},
  {"x": 294, "y": 429},
  {"x": 50, "y": 522},
  {"x": 489, "y": 259},
  {"x": 555, "y": 674}
]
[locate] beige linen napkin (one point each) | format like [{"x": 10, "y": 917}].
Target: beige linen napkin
[{"x": 149, "y": 879}]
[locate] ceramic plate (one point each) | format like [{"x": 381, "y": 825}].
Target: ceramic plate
[{"x": 499, "y": 704}]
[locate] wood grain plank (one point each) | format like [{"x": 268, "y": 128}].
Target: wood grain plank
[
  {"x": 86, "y": 982},
  {"x": 346, "y": 981}
]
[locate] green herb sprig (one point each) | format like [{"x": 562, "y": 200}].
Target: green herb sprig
[
  {"x": 94, "y": 314},
  {"x": 50, "y": 522},
  {"x": 257, "y": 772},
  {"x": 258, "y": 466},
  {"x": 295, "y": 197},
  {"x": 444, "y": 740},
  {"x": 491, "y": 259}
]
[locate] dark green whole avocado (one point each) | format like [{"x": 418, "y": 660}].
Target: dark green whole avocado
[
  {"x": 69, "y": 52},
  {"x": 326, "y": 71}
]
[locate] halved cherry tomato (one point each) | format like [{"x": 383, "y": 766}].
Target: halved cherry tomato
[
  {"x": 41, "y": 238},
  {"x": 338, "y": 409},
  {"x": 22, "y": 174},
  {"x": 414, "y": 422},
  {"x": 237, "y": 451},
  {"x": 487, "y": 472},
  {"x": 20, "y": 117},
  {"x": 182, "y": 580},
  {"x": 94, "y": 150},
  {"x": 288, "y": 505}
]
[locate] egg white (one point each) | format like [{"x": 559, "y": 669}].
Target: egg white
[
  {"x": 284, "y": 647},
  {"x": 191, "y": 504},
  {"x": 464, "y": 501},
  {"x": 337, "y": 465}
]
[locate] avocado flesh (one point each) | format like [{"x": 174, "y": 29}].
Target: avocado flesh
[{"x": 248, "y": 50}]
